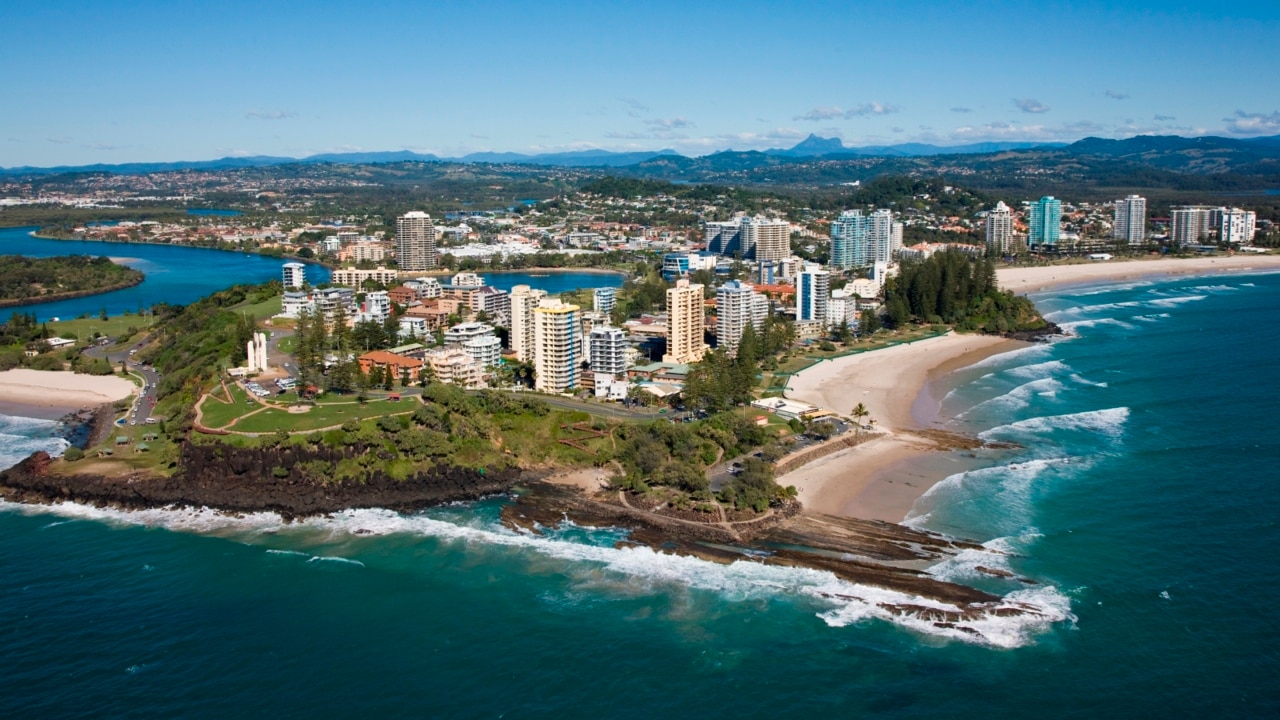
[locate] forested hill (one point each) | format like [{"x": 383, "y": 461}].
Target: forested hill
[
  {"x": 25, "y": 280},
  {"x": 954, "y": 288}
]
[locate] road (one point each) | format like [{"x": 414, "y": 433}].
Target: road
[{"x": 145, "y": 401}]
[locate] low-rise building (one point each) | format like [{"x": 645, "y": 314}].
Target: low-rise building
[
  {"x": 455, "y": 366},
  {"x": 355, "y": 277},
  {"x": 398, "y": 365},
  {"x": 461, "y": 333}
]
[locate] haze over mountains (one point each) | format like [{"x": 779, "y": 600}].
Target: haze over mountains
[
  {"x": 1257, "y": 157},
  {"x": 812, "y": 146}
]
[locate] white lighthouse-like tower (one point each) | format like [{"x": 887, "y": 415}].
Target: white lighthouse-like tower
[{"x": 256, "y": 354}]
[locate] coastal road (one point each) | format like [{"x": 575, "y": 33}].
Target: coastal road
[{"x": 145, "y": 401}]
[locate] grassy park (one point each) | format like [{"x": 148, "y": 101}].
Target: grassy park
[{"x": 113, "y": 327}]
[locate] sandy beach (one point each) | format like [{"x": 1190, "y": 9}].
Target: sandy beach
[
  {"x": 1034, "y": 279},
  {"x": 65, "y": 390},
  {"x": 880, "y": 479},
  {"x": 888, "y": 382}
]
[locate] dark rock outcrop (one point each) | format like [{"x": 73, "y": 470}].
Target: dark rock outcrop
[{"x": 242, "y": 480}]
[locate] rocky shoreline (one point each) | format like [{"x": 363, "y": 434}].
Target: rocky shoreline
[
  {"x": 863, "y": 552},
  {"x": 243, "y": 485}
]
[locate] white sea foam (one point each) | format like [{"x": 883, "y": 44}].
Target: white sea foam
[
  {"x": 21, "y": 436},
  {"x": 1007, "y": 358},
  {"x": 1079, "y": 310},
  {"x": 334, "y": 559},
  {"x": 1076, "y": 377},
  {"x": 1019, "y": 397},
  {"x": 1172, "y": 302},
  {"x": 1008, "y": 486},
  {"x": 994, "y": 555},
  {"x": 1039, "y": 370},
  {"x": 1109, "y": 288},
  {"x": 1110, "y": 422},
  {"x": 643, "y": 569},
  {"x": 1072, "y": 327}
]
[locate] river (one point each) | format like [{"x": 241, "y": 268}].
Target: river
[{"x": 179, "y": 275}]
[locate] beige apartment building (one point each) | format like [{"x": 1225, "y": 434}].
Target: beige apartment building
[{"x": 685, "y": 327}]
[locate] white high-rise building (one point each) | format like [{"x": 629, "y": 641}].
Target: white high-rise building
[
  {"x": 604, "y": 299},
  {"x": 813, "y": 287},
  {"x": 377, "y": 307},
  {"x": 737, "y": 306},
  {"x": 1130, "y": 225},
  {"x": 895, "y": 239},
  {"x": 842, "y": 309},
  {"x": 766, "y": 240},
  {"x": 1000, "y": 228},
  {"x": 523, "y": 300},
  {"x": 608, "y": 350},
  {"x": 1190, "y": 225},
  {"x": 859, "y": 240},
  {"x": 415, "y": 241},
  {"x": 1238, "y": 226},
  {"x": 467, "y": 279},
  {"x": 294, "y": 275},
  {"x": 684, "y": 323},
  {"x": 557, "y": 353}
]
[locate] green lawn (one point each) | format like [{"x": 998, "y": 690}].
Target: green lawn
[
  {"x": 260, "y": 311},
  {"x": 218, "y": 414},
  {"x": 323, "y": 415},
  {"x": 111, "y": 327}
]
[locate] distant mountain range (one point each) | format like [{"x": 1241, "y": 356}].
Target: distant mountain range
[
  {"x": 813, "y": 146},
  {"x": 1156, "y": 161}
]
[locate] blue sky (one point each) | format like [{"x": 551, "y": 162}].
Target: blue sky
[{"x": 148, "y": 81}]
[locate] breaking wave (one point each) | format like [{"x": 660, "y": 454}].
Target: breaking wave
[
  {"x": 837, "y": 602},
  {"x": 1110, "y": 422},
  {"x": 21, "y": 436}
]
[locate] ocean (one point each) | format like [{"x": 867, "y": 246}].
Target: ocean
[{"x": 1141, "y": 498}]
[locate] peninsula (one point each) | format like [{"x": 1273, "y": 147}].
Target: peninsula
[{"x": 24, "y": 281}]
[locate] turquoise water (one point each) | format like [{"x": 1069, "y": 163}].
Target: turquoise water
[
  {"x": 181, "y": 275},
  {"x": 174, "y": 274},
  {"x": 1143, "y": 501}
]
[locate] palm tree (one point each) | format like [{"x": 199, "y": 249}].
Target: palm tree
[{"x": 860, "y": 411}]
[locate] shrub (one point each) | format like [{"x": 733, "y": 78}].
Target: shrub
[{"x": 73, "y": 454}]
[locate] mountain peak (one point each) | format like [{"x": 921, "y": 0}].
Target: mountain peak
[{"x": 815, "y": 145}]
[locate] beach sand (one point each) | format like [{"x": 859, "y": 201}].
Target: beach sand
[
  {"x": 889, "y": 382},
  {"x": 61, "y": 390},
  {"x": 1033, "y": 279},
  {"x": 881, "y": 479}
]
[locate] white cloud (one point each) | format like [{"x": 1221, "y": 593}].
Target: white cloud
[
  {"x": 872, "y": 108},
  {"x": 961, "y": 110},
  {"x": 618, "y": 135},
  {"x": 269, "y": 114},
  {"x": 1013, "y": 131},
  {"x": 670, "y": 123},
  {"x": 820, "y": 114},
  {"x": 1246, "y": 123},
  {"x": 634, "y": 106},
  {"x": 831, "y": 112},
  {"x": 61, "y": 140},
  {"x": 1029, "y": 105},
  {"x": 1116, "y": 95},
  {"x": 1165, "y": 118}
]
